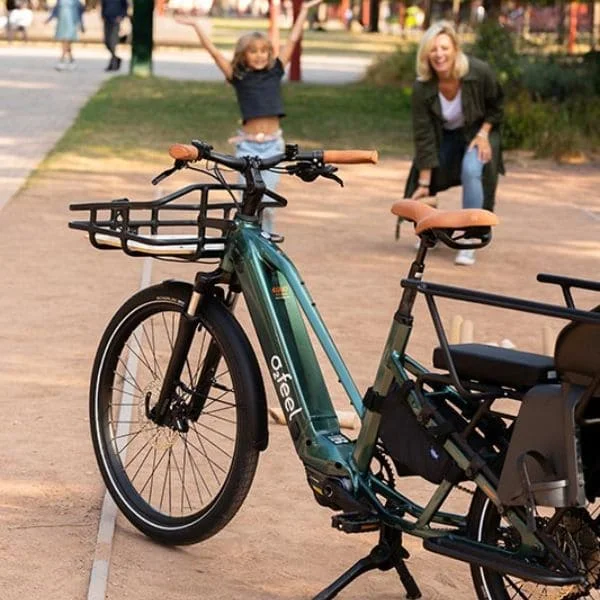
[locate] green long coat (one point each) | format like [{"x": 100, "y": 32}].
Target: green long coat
[{"x": 482, "y": 100}]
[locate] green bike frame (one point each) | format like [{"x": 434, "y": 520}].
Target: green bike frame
[
  {"x": 280, "y": 305},
  {"x": 278, "y": 301}
]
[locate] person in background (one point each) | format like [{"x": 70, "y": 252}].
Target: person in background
[
  {"x": 10, "y": 6},
  {"x": 18, "y": 18},
  {"x": 255, "y": 72},
  {"x": 457, "y": 107},
  {"x": 69, "y": 20},
  {"x": 113, "y": 12}
]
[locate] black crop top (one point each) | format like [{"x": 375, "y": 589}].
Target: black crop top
[{"x": 259, "y": 92}]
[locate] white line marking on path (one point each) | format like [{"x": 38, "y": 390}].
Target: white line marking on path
[{"x": 108, "y": 515}]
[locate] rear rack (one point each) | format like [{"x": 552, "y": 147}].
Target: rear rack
[{"x": 160, "y": 228}]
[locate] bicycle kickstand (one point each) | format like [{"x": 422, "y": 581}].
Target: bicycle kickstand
[{"x": 387, "y": 554}]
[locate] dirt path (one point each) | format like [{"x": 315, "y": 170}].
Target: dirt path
[{"x": 58, "y": 294}]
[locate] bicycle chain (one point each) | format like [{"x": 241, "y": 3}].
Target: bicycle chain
[{"x": 462, "y": 488}]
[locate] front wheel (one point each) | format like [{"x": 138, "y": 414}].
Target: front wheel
[
  {"x": 576, "y": 534},
  {"x": 177, "y": 484}
]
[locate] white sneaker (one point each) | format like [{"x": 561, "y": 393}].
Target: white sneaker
[
  {"x": 465, "y": 258},
  {"x": 60, "y": 66},
  {"x": 418, "y": 245},
  {"x": 71, "y": 66}
]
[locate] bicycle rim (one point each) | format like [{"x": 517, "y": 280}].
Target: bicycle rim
[{"x": 177, "y": 486}]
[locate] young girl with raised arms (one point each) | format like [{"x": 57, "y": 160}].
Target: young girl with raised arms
[{"x": 255, "y": 73}]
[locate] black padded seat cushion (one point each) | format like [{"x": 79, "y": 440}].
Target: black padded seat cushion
[{"x": 499, "y": 366}]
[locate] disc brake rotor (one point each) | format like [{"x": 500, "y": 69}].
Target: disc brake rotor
[{"x": 159, "y": 438}]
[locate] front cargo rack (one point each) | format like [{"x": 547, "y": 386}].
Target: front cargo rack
[{"x": 160, "y": 228}]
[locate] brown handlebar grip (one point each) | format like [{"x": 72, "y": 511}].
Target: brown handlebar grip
[
  {"x": 183, "y": 152},
  {"x": 350, "y": 157}
]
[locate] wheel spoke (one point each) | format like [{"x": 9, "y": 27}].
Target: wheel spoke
[
  {"x": 141, "y": 355},
  {"x": 181, "y": 474},
  {"x": 204, "y": 453},
  {"x": 227, "y": 437},
  {"x": 124, "y": 392},
  {"x": 196, "y": 471},
  {"x": 214, "y": 415},
  {"x": 167, "y": 479},
  {"x": 517, "y": 590},
  {"x": 131, "y": 379}
]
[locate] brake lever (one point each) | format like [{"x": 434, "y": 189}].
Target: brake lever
[
  {"x": 329, "y": 174},
  {"x": 309, "y": 172},
  {"x": 179, "y": 164}
]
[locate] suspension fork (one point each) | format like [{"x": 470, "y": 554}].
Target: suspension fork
[
  {"x": 206, "y": 378},
  {"x": 186, "y": 329}
]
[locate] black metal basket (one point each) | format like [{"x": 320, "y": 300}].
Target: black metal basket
[{"x": 160, "y": 228}]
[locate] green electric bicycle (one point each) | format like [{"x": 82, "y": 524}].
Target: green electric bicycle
[{"x": 179, "y": 417}]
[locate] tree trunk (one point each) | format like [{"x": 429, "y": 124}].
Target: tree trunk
[
  {"x": 596, "y": 25},
  {"x": 493, "y": 9},
  {"x": 141, "y": 38},
  {"x": 561, "y": 23},
  {"x": 573, "y": 8},
  {"x": 365, "y": 13},
  {"x": 295, "y": 72},
  {"x": 455, "y": 11},
  {"x": 374, "y": 16},
  {"x": 274, "y": 11},
  {"x": 426, "y": 6}
]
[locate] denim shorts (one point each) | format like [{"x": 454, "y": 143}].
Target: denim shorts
[{"x": 262, "y": 150}]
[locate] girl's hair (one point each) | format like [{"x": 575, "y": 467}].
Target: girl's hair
[
  {"x": 238, "y": 62},
  {"x": 424, "y": 70}
]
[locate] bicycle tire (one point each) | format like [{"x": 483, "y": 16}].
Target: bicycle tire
[
  {"x": 484, "y": 524},
  {"x": 202, "y": 475}
]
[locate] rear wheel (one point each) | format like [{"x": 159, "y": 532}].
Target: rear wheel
[
  {"x": 576, "y": 535},
  {"x": 178, "y": 484}
]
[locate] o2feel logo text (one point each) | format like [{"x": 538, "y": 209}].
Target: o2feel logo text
[{"x": 281, "y": 378}]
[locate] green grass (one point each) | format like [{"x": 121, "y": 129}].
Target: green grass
[{"x": 131, "y": 118}]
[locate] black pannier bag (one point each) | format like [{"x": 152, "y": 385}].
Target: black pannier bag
[{"x": 413, "y": 449}]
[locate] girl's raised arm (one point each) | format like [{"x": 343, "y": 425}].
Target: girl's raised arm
[
  {"x": 206, "y": 42},
  {"x": 296, "y": 32}
]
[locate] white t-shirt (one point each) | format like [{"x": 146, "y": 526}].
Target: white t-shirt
[{"x": 452, "y": 112}]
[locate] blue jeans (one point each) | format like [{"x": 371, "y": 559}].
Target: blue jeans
[
  {"x": 263, "y": 150},
  {"x": 453, "y": 149}
]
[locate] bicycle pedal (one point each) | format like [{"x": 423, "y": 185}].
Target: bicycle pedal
[{"x": 355, "y": 522}]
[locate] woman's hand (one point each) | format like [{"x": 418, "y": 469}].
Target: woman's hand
[
  {"x": 185, "y": 19},
  {"x": 420, "y": 192},
  {"x": 311, "y": 3},
  {"x": 484, "y": 150}
]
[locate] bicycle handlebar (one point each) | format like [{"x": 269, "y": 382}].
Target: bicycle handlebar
[
  {"x": 199, "y": 151},
  {"x": 350, "y": 157}
]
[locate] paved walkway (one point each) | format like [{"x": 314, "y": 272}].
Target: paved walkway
[{"x": 39, "y": 103}]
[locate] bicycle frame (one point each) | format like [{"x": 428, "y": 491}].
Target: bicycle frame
[
  {"x": 279, "y": 303},
  {"x": 339, "y": 469}
]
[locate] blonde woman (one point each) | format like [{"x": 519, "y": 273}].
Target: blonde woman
[
  {"x": 255, "y": 73},
  {"x": 457, "y": 107}
]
